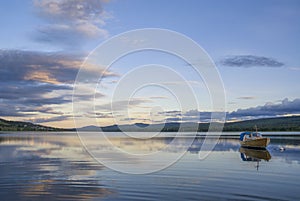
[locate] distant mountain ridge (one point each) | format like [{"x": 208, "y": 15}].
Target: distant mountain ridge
[{"x": 291, "y": 123}]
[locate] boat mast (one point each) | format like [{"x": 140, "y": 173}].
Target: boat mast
[{"x": 257, "y": 165}]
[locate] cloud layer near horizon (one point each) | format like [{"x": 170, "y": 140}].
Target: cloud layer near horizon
[{"x": 285, "y": 107}]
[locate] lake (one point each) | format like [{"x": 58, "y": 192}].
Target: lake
[{"x": 55, "y": 166}]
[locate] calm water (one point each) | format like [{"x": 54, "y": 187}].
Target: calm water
[{"x": 57, "y": 167}]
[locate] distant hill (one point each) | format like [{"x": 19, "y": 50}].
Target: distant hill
[
  {"x": 268, "y": 124},
  {"x": 291, "y": 123},
  {"x": 24, "y": 126}
]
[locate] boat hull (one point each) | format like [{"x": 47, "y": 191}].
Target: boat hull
[{"x": 256, "y": 143}]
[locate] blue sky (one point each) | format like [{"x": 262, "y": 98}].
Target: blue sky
[{"x": 255, "y": 45}]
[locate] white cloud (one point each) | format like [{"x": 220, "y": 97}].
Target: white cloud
[
  {"x": 71, "y": 21},
  {"x": 269, "y": 110}
]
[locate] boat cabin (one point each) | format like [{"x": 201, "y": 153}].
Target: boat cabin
[{"x": 249, "y": 135}]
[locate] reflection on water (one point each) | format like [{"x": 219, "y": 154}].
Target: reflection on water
[
  {"x": 248, "y": 154},
  {"x": 254, "y": 155},
  {"x": 47, "y": 168},
  {"x": 56, "y": 167}
]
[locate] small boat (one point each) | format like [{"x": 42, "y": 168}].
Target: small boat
[{"x": 253, "y": 140}]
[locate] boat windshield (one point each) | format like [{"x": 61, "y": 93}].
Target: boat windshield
[{"x": 256, "y": 134}]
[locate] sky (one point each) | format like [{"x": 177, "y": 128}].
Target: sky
[{"x": 255, "y": 46}]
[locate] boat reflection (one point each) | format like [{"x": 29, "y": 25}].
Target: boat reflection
[{"x": 254, "y": 155}]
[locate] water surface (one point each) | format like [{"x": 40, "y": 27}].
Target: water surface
[{"x": 55, "y": 166}]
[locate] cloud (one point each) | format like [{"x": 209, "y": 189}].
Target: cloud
[
  {"x": 158, "y": 97},
  {"x": 246, "y": 97},
  {"x": 51, "y": 119},
  {"x": 14, "y": 109},
  {"x": 23, "y": 90},
  {"x": 23, "y": 107},
  {"x": 10, "y": 110},
  {"x": 121, "y": 105},
  {"x": 196, "y": 116},
  {"x": 54, "y": 68},
  {"x": 46, "y": 101},
  {"x": 269, "y": 110},
  {"x": 285, "y": 107},
  {"x": 30, "y": 98},
  {"x": 250, "y": 61},
  {"x": 71, "y": 21},
  {"x": 174, "y": 119},
  {"x": 101, "y": 115},
  {"x": 171, "y": 113},
  {"x": 33, "y": 82},
  {"x": 187, "y": 116},
  {"x": 44, "y": 67}
]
